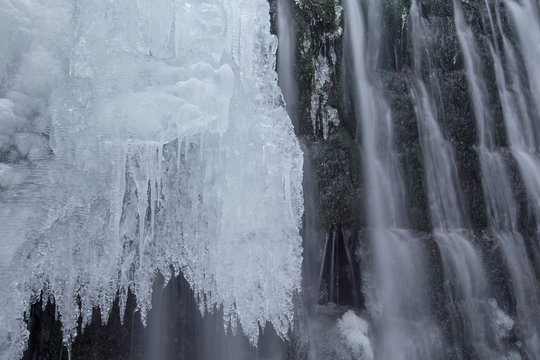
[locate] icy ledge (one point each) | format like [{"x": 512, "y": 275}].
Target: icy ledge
[{"x": 144, "y": 136}]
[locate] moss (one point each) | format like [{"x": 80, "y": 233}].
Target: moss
[
  {"x": 335, "y": 161},
  {"x": 317, "y": 29},
  {"x": 337, "y": 168},
  {"x": 396, "y": 52},
  {"x": 321, "y": 17}
]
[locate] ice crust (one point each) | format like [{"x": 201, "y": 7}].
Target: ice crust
[{"x": 144, "y": 136}]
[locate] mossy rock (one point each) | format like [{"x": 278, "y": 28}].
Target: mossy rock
[{"x": 336, "y": 164}]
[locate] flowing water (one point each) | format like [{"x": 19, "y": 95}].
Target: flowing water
[
  {"x": 502, "y": 206},
  {"x": 396, "y": 285},
  {"x": 473, "y": 311},
  {"x": 286, "y": 56}
]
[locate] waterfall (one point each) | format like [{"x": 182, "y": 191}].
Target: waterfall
[
  {"x": 502, "y": 207},
  {"x": 473, "y": 310},
  {"x": 397, "y": 284},
  {"x": 286, "y": 56},
  {"x": 178, "y": 182},
  {"x": 520, "y": 113},
  {"x": 525, "y": 17}
]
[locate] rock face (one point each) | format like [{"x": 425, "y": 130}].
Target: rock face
[
  {"x": 321, "y": 43},
  {"x": 324, "y": 77},
  {"x": 336, "y": 155}
]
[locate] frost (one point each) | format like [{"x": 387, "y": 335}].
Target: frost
[
  {"x": 339, "y": 13},
  {"x": 10, "y": 176},
  {"x": 331, "y": 117},
  {"x": 8, "y": 120},
  {"x": 144, "y": 137},
  {"x": 322, "y": 115}
]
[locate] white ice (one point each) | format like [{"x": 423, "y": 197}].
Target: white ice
[{"x": 144, "y": 136}]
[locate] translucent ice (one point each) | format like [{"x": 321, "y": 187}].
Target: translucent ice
[{"x": 140, "y": 137}]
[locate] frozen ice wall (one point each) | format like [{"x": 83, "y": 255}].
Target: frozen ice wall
[{"x": 144, "y": 136}]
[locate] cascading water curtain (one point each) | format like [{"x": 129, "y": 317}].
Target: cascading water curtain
[{"x": 396, "y": 286}]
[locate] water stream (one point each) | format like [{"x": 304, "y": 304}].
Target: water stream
[
  {"x": 473, "y": 310},
  {"x": 396, "y": 284}
]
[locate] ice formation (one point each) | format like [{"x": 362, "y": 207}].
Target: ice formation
[
  {"x": 322, "y": 114},
  {"x": 144, "y": 136}
]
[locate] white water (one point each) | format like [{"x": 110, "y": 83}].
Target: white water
[
  {"x": 286, "y": 57},
  {"x": 140, "y": 137},
  {"x": 502, "y": 207},
  {"x": 473, "y": 312},
  {"x": 396, "y": 284},
  {"x": 525, "y": 16},
  {"x": 521, "y": 118}
]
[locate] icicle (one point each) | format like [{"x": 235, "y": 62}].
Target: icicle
[{"x": 108, "y": 200}]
